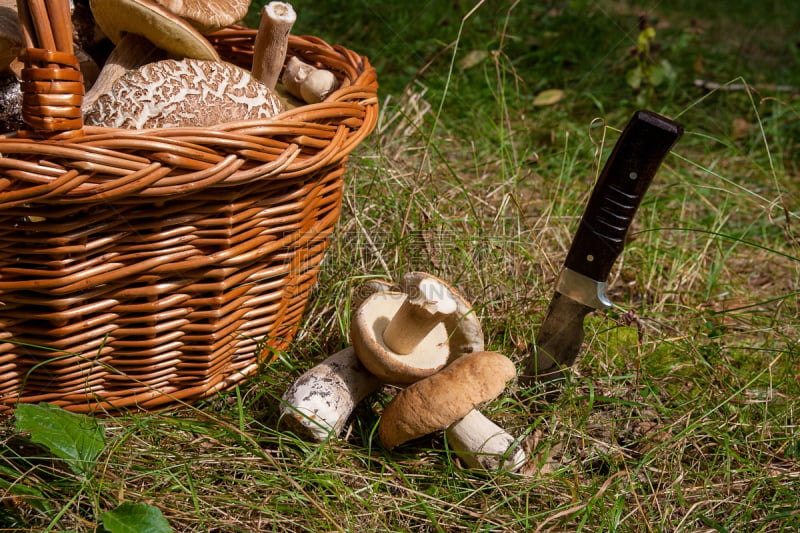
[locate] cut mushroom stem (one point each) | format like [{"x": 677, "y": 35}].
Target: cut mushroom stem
[
  {"x": 481, "y": 444},
  {"x": 318, "y": 403},
  {"x": 464, "y": 331},
  {"x": 272, "y": 41},
  {"x": 307, "y": 82},
  {"x": 425, "y": 306}
]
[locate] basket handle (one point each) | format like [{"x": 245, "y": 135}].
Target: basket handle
[{"x": 52, "y": 83}]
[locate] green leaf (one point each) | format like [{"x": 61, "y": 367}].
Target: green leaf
[
  {"x": 77, "y": 439},
  {"x": 634, "y": 77},
  {"x": 135, "y": 518},
  {"x": 18, "y": 487},
  {"x": 644, "y": 38},
  {"x": 655, "y": 75}
]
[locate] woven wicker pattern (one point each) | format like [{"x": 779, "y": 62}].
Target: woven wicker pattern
[{"x": 138, "y": 268}]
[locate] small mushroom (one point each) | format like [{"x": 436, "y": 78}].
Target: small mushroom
[
  {"x": 143, "y": 31},
  {"x": 400, "y": 337},
  {"x": 307, "y": 82},
  {"x": 447, "y": 398},
  {"x": 272, "y": 41},
  {"x": 319, "y": 402},
  {"x": 463, "y": 327},
  {"x": 190, "y": 92}
]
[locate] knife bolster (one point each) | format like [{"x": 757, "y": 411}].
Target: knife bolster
[{"x": 583, "y": 289}]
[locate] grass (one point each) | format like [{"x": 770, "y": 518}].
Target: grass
[{"x": 683, "y": 411}]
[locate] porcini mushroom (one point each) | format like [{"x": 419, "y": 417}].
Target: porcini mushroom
[
  {"x": 400, "y": 337},
  {"x": 307, "y": 82},
  {"x": 143, "y": 31},
  {"x": 448, "y": 398},
  {"x": 272, "y": 41},
  {"x": 317, "y": 405},
  {"x": 190, "y": 92},
  {"x": 465, "y": 334}
]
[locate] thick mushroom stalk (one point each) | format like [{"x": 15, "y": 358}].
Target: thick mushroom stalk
[
  {"x": 272, "y": 41},
  {"x": 425, "y": 307},
  {"x": 400, "y": 337},
  {"x": 319, "y": 402},
  {"x": 483, "y": 445}
]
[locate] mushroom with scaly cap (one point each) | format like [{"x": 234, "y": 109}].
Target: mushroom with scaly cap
[{"x": 190, "y": 92}]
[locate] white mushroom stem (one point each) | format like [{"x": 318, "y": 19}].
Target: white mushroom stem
[
  {"x": 307, "y": 82},
  {"x": 131, "y": 52},
  {"x": 484, "y": 445},
  {"x": 426, "y": 305},
  {"x": 272, "y": 41},
  {"x": 319, "y": 402}
]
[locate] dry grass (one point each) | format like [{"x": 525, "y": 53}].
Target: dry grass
[{"x": 683, "y": 411}]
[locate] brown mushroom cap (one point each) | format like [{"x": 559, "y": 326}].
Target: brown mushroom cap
[
  {"x": 10, "y": 33},
  {"x": 208, "y": 15},
  {"x": 442, "y": 399},
  {"x": 463, "y": 327},
  {"x": 190, "y": 92},
  {"x": 366, "y": 334},
  {"x": 153, "y": 22}
]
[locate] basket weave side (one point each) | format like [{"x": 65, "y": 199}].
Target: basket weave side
[{"x": 141, "y": 268}]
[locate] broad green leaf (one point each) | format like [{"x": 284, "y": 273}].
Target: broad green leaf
[
  {"x": 77, "y": 439},
  {"x": 655, "y": 75},
  {"x": 135, "y": 518},
  {"x": 634, "y": 77},
  {"x": 548, "y": 97}
]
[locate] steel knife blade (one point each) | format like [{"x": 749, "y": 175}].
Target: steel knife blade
[{"x": 599, "y": 240}]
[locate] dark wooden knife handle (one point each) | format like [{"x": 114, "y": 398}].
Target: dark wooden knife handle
[{"x": 637, "y": 155}]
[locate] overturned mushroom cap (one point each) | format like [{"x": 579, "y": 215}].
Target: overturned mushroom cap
[
  {"x": 368, "y": 334},
  {"x": 153, "y": 22},
  {"x": 189, "y": 92},
  {"x": 441, "y": 399}
]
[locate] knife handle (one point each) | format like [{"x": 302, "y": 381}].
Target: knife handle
[{"x": 600, "y": 238}]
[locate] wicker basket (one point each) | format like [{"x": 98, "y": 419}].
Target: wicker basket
[{"x": 143, "y": 268}]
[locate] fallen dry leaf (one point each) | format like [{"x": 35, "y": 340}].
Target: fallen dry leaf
[{"x": 548, "y": 97}]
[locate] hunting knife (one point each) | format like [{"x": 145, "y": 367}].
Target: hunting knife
[{"x": 598, "y": 241}]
